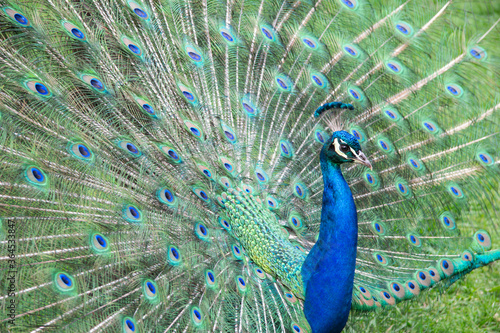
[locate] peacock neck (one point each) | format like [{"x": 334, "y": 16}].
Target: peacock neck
[
  {"x": 339, "y": 221},
  {"x": 328, "y": 271}
]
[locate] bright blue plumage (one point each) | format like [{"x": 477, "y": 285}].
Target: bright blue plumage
[
  {"x": 328, "y": 271},
  {"x": 335, "y": 248}
]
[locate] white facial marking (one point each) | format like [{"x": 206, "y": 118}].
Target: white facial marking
[
  {"x": 337, "y": 148},
  {"x": 354, "y": 153}
]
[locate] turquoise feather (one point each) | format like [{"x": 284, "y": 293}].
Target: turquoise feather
[{"x": 185, "y": 166}]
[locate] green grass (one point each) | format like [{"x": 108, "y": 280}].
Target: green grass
[{"x": 472, "y": 304}]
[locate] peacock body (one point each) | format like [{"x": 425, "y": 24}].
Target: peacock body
[{"x": 220, "y": 166}]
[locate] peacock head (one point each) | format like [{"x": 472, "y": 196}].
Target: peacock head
[{"x": 343, "y": 147}]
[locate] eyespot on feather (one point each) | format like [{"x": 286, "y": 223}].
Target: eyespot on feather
[
  {"x": 431, "y": 127},
  {"x": 132, "y": 214},
  {"x": 402, "y": 188},
  {"x": 129, "y": 325},
  {"x": 286, "y": 148},
  {"x": 210, "y": 279},
  {"x": 415, "y": 163},
  {"x": 206, "y": 171},
  {"x": 310, "y": 42},
  {"x": 202, "y": 232},
  {"x": 17, "y": 17},
  {"x": 379, "y": 228},
  {"x": 241, "y": 283},
  {"x": 259, "y": 273},
  {"x": 129, "y": 148},
  {"x": 295, "y": 221},
  {"x": 284, "y": 83},
  {"x": 146, "y": 107},
  {"x": 467, "y": 255},
  {"x": 272, "y": 203},
  {"x": 188, "y": 94},
  {"x": 64, "y": 282},
  {"x": 481, "y": 241},
  {"x": 412, "y": 288},
  {"x": 249, "y": 107},
  {"x": 247, "y": 188},
  {"x": 194, "y": 55},
  {"x": 132, "y": 46},
  {"x": 38, "y": 88},
  {"x": 35, "y": 176},
  {"x": 261, "y": 176},
  {"x": 194, "y": 129},
  {"x": 94, "y": 82},
  {"x": 166, "y": 196},
  {"x": 237, "y": 253},
  {"x": 434, "y": 274},
  {"x": 387, "y": 297},
  {"x": 74, "y": 31},
  {"x": 228, "y": 35},
  {"x": 356, "y": 94},
  {"x": 365, "y": 292},
  {"x": 171, "y": 153},
  {"x": 320, "y": 136},
  {"x": 227, "y": 165},
  {"x": 394, "y": 67},
  {"x": 351, "y": 50},
  {"x": 391, "y": 114},
  {"x": 446, "y": 266},
  {"x": 268, "y": 33},
  {"x": 478, "y": 53},
  {"x": 350, "y": 4},
  {"x": 385, "y": 145},
  {"x": 358, "y": 133},
  {"x": 228, "y": 133},
  {"x": 414, "y": 240},
  {"x": 300, "y": 190},
  {"x": 455, "y": 191},
  {"x": 150, "y": 290},
  {"x": 224, "y": 222},
  {"x": 139, "y": 10},
  {"x": 319, "y": 80},
  {"x": 423, "y": 278},
  {"x": 454, "y": 90},
  {"x": 174, "y": 255},
  {"x": 289, "y": 297},
  {"x": 201, "y": 193},
  {"x": 99, "y": 243},
  {"x": 226, "y": 182},
  {"x": 371, "y": 179},
  {"x": 397, "y": 290},
  {"x": 447, "y": 220},
  {"x": 404, "y": 28},
  {"x": 381, "y": 259},
  {"x": 484, "y": 158},
  {"x": 196, "y": 316},
  {"x": 81, "y": 151}
]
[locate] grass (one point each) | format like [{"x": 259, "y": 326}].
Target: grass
[{"x": 472, "y": 304}]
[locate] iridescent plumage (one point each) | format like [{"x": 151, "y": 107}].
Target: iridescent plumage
[{"x": 169, "y": 165}]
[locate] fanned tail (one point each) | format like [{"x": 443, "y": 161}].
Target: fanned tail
[{"x": 128, "y": 126}]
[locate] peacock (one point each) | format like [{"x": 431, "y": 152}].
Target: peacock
[{"x": 242, "y": 165}]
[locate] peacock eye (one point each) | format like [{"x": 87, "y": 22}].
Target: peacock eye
[{"x": 344, "y": 148}]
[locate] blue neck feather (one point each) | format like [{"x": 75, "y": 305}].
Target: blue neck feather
[{"x": 328, "y": 271}]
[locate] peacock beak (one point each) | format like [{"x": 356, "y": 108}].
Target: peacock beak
[{"x": 360, "y": 158}]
